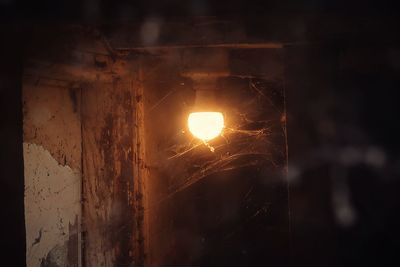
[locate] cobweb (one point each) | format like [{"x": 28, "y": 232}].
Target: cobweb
[{"x": 248, "y": 140}]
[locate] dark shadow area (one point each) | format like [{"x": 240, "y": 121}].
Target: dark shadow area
[
  {"x": 12, "y": 224},
  {"x": 343, "y": 154}
]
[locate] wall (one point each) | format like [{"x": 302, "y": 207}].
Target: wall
[
  {"x": 53, "y": 174},
  {"x": 81, "y": 153}
]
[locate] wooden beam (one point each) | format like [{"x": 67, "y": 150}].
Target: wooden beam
[
  {"x": 140, "y": 227},
  {"x": 194, "y": 45},
  {"x": 108, "y": 169}
]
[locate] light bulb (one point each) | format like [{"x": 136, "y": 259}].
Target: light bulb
[{"x": 206, "y": 125}]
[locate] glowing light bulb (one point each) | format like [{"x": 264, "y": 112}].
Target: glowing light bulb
[{"x": 206, "y": 125}]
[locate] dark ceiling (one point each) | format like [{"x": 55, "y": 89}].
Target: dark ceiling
[{"x": 95, "y": 10}]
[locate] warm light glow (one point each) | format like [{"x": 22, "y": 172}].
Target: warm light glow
[{"x": 206, "y": 125}]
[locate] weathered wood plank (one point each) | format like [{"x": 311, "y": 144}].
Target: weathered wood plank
[
  {"x": 154, "y": 32},
  {"x": 108, "y": 168},
  {"x": 73, "y": 53},
  {"x": 141, "y": 175}
]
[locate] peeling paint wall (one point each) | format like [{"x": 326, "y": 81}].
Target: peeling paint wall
[
  {"x": 52, "y": 165},
  {"x": 52, "y": 194}
]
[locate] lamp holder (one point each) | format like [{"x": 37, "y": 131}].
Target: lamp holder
[{"x": 204, "y": 66}]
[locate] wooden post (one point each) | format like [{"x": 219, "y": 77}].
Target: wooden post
[
  {"x": 108, "y": 134},
  {"x": 140, "y": 179}
]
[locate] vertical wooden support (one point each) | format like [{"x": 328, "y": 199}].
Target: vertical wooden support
[
  {"x": 108, "y": 134},
  {"x": 140, "y": 179}
]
